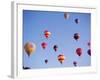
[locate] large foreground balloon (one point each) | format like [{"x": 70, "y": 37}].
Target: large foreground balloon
[
  {"x": 55, "y": 47},
  {"x": 76, "y": 36},
  {"x": 61, "y": 58},
  {"x": 79, "y": 51},
  {"x": 30, "y": 48},
  {"x": 66, "y": 15},
  {"x": 77, "y": 20},
  {"x": 44, "y": 45},
  {"x": 89, "y": 52},
  {"x": 47, "y": 33}
]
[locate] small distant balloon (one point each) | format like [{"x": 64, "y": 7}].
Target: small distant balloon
[
  {"x": 76, "y": 36},
  {"x": 75, "y": 63},
  {"x": 79, "y": 51},
  {"x": 46, "y": 61},
  {"x": 89, "y": 52},
  {"x": 66, "y": 15},
  {"x": 77, "y": 20},
  {"x": 44, "y": 45},
  {"x": 29, "y": 48},
  {"x": 61, "y": 58},
  {"x": 89, "y": 44},
  {"x": 55, "y": 47},
  {"x": 47, "y": 34}
]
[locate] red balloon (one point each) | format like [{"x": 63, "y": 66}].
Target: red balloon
[
  {"x": 79, "y": 51},
  {"x": 47, "y": 33},
  {"x": 44, "y": 45}
]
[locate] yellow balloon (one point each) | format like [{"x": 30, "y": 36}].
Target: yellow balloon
[{"x": 30, "y": 48}]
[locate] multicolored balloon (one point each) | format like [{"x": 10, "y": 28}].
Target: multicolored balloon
[
  {"x": 29, "y": 48},
  {"x": 61, "y": 58},
  {"x": 55, "y": 47},
  {"x": 47, "y": 34},
  {"x": 76, "y": 36},
  {"x": 44, "y": 45},
  {"x": 79, "y": 51}
]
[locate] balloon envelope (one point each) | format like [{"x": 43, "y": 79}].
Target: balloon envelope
[
  {"x": 29, "y": 48},
  {"x": 66, "y": 15},
  {"x": 44, "y": 45},
  {"x": 77, "y": 20},
  {"x": 79, "y": 51},
  {"x": 89, "y": 44},
  {"x": 76, "y": 36},
  {"x": 89, "y": 52},
  {"x": 75, "y": 63},
  {"x": 47, "y": 33},
  {"x": 55, "y": 47},
  {"x": 61, "y": 58},
  {"x": 46, "y": 61}
]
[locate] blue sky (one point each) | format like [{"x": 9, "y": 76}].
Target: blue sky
[{"x": 62, "y": 31}]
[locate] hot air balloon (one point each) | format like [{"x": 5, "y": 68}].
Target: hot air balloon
[
  {"x": 75, "y": 63},
  {"x": 76, "y": 36},
  {"x": 46, "y": 61},
  {"x": 47, "y": 34},
  {"x": 55, "y": 47},
  {"x": 61, "y": 58},
  {"x": 44, "y": 45},
  {"x": 89, "y": 52},
  {"x": 66, "y": 15},
  {"x": 77, "y": 20},
  {"x": 30, "y": 48},
  {"x": 89, "y": 44},
  {"x": 79, "y": 51}
]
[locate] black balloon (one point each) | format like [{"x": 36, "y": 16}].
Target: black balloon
[
  {"x": 77, "y": 21},
  {"x": 55, "y": 47},
  {"x": 76, "y": 36},
  {"x": 46, "y": 61},
  {"x": 89, "y": 52},
  {"x": 75, "y": 63}
]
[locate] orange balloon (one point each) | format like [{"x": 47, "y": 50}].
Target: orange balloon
[
  {"x": 61, "y": 58},
  {"x": 29, "y": 48},
  {"x": 47, "y": 33}
]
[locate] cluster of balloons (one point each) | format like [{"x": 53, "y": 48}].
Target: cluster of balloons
[
  {"x": 66, "y": 16},
  {"x": 44, "y": 45},
  {"x": 30, "y": 47}
]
